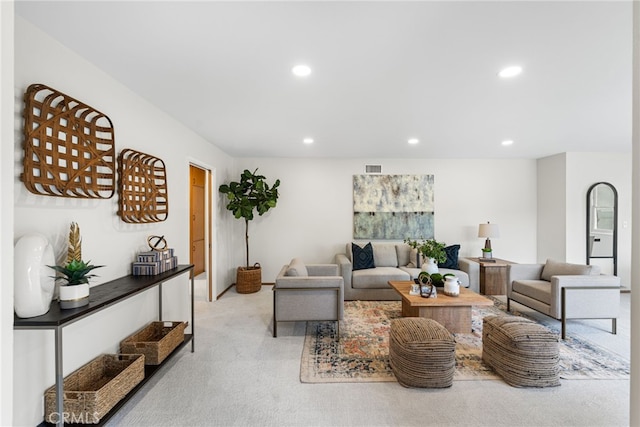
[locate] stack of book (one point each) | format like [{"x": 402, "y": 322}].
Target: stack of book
[{"x": 154, "y": 262}]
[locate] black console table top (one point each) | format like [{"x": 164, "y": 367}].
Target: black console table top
[{"x": 100, "y": 297}]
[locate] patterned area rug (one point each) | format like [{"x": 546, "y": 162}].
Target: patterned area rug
[{"x": 362, "y": 354}]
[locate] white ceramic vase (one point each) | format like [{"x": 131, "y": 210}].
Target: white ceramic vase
[
  {"x": 74, "y": 296},
  {"x": 451, "y": 286},
  {"x": 33, "y": 282},
  {"x": 430, "y": 266}
]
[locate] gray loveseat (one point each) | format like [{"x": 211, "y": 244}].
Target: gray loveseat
[{"x": 392, "y": 261}]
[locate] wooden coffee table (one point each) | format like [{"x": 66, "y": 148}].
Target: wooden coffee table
[{"x": 454, "y": 313}]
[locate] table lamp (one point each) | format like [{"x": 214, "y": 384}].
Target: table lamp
[{"x": 488, "y": 230}]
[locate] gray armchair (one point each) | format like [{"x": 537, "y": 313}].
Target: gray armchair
[
  {"x": 308, "y": 292},
  {"x": 565, "y": 291}
]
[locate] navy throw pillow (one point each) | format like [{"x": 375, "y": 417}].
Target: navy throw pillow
[
  {"x": 452, "y": 257},
  {"x": 362, "y": 257}
]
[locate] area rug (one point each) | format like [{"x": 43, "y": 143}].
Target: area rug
[{"x": 362, "y": 353}]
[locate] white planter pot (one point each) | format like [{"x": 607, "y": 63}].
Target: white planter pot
[
  {"x": 74, "y": 296},
  {"x": 430, "y": 266},
  {"x": 33, "y": 282}
]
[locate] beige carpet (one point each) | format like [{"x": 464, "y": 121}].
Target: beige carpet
[{"x": 362, "y": 353}]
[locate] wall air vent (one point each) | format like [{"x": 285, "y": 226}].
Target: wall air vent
[{"x": 373, "y": 168}]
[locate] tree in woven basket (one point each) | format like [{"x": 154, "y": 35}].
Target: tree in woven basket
[{"x": 251, "y": 194}]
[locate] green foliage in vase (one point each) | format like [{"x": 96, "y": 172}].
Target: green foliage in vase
[
  {"x": 429, "y": 248},
  {"x": 76, "y": 272}
]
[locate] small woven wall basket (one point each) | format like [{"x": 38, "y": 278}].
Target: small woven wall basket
[{"x": 142, "y": 188}]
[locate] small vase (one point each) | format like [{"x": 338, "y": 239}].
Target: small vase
[
  {"x": 430, "y": 266},
  {"x": 451, "y": 286},
  {"x": 74, "y": 296}
]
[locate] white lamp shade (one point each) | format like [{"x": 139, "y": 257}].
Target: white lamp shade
[{"x": 488, "y": 230}]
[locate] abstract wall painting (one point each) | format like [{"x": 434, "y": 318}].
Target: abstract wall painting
[{"x": 392, "y": 207}]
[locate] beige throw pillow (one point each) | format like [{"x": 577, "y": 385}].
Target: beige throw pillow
[
  {"x": 297, "y": 268},
  {"x": 555, "y": 268}
]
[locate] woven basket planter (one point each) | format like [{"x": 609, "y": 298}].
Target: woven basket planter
[
  {"x": 156, "y": 341},
  {"x": 249, "y": 280},
  {"x": 91, "y": 391}
]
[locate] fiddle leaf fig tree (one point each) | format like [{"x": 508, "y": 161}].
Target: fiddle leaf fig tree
[{"x": 251, "y": 194}]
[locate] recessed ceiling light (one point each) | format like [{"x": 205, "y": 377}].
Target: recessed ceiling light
[
  {"x": 507, "y": 142},
  {"x": 510, "y": 71},
  {"x": 308, "y": 140},
  {"x": 301, "y": 70},
  {"x": 413, "y": 141}
]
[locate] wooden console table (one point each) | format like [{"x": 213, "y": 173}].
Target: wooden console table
[
  {"x": 493, "y": 276},
  {"x": 101, "y": 297}
]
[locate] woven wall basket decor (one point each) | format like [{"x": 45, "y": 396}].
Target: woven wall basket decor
[
  {"x": 142, "y": 186},
  {"x": 69, "y": 148}
]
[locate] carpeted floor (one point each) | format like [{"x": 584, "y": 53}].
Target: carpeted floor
[
  {"x": 239, "y": 375},
  {"x": 362, "y": 353}
]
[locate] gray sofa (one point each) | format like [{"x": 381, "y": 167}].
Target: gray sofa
[
  {"x": 565, "y": 291},
  {"x": 393, "y": 261}
]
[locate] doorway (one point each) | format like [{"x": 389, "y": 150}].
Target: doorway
[{"x": 200, "y": 223}]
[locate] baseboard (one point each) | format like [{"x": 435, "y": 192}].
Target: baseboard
[{"x": 233, "y": 284}]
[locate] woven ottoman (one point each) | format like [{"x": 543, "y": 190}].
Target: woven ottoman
[
  {"x": 522, "y": 352},
  {"x": 422, "y": 353}
]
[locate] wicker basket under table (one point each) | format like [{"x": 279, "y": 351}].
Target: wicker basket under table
[
  {"x": 92, "y": 390},
  {"x": 156, "y": 341}
]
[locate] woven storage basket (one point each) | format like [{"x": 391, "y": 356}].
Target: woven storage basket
[
  {"x": 156, "y": 341},
  {"x": 91, "y": 391},
  {"x": 249, "y": 280}
]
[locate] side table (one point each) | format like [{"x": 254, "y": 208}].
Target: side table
[{"x": 493, "y": 276}]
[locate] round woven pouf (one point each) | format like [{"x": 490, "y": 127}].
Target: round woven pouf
[{"x": 422, "y": 353}]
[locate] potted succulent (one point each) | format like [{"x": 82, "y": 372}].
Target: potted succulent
[
  {"x": 251, "y": 193},
  {"x": 432, "y": 251},
  {"x": 75, "y": 273},
  {"x": 487, "y": 253}
]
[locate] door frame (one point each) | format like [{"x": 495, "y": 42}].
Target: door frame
[{"x": 210, "y": 209}]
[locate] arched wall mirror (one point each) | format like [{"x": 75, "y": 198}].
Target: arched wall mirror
[{"x": 602, "y": 227}]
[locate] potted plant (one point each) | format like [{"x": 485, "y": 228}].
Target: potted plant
[
  {"x": 251, "y": 193},
  {"x": 74, "y": 291},
  {"x": 487, "y": 253},
  {"x": 432, "y": 251}
]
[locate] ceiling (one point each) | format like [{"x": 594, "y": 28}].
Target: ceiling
[{"x": 382, "y": 72}]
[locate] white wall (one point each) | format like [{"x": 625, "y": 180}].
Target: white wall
[
  {"x": 584, "y": 170},
  {"x": 106, "y": 239},
  {"x": 563, "y": 182},
  {"x": 6, "y": 212},
  {"x": 314, "y": 215},
  {"x": 551, "y": 177}
]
